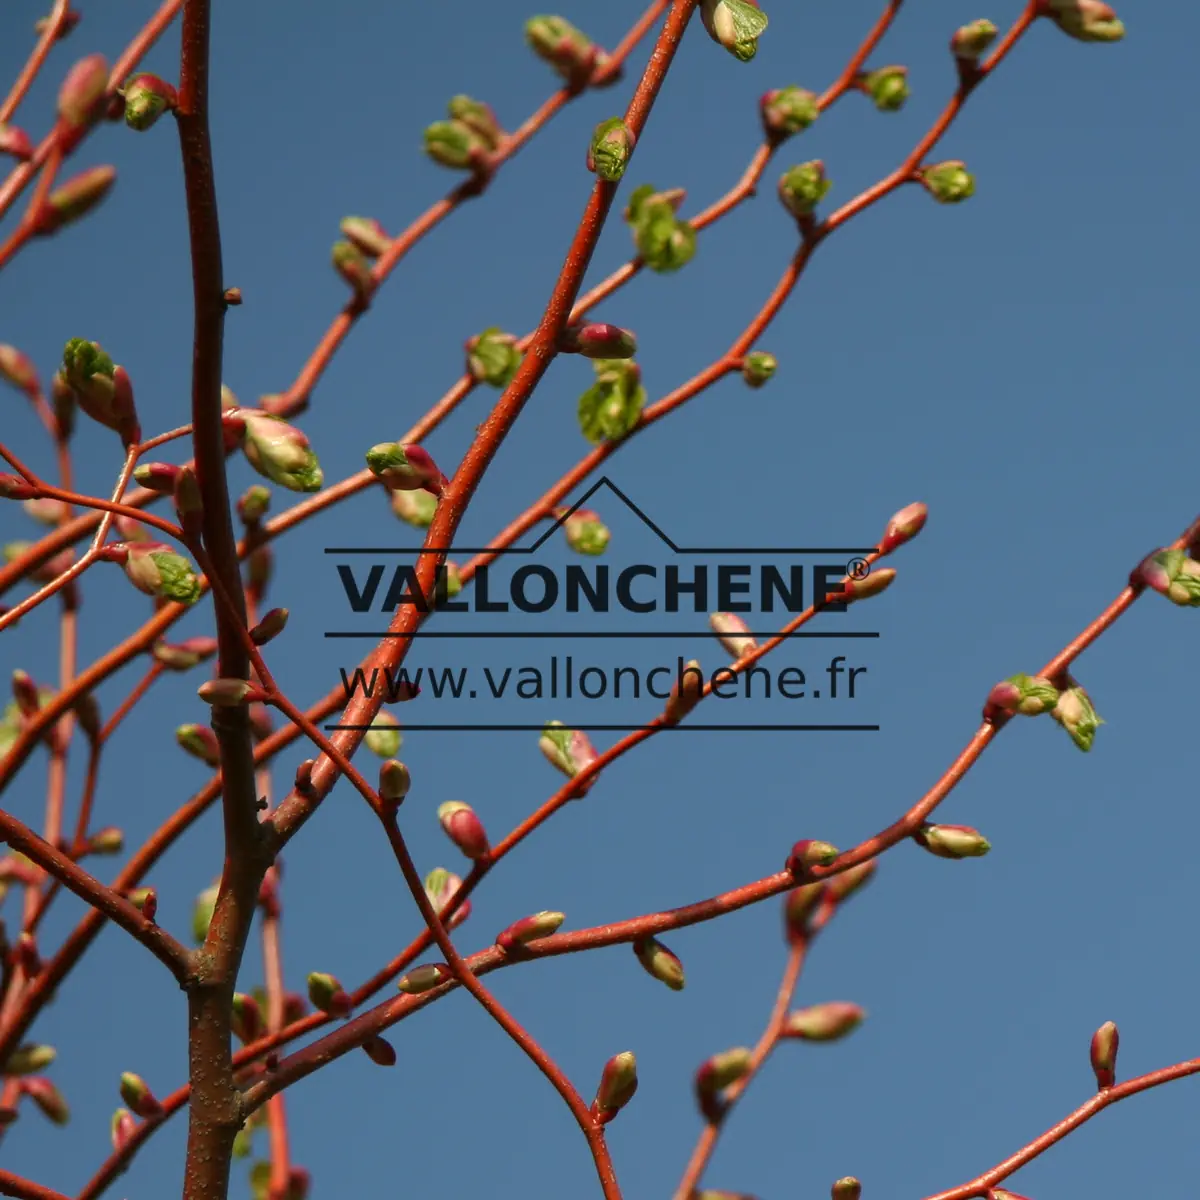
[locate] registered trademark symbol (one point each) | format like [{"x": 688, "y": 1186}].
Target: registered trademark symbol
[{"x": 858, "y": 568}]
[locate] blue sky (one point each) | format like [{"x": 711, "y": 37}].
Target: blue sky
[{"x": 1019, "y": 362}]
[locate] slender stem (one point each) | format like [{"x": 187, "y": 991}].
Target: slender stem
[{"x": 215, "y": 1109}]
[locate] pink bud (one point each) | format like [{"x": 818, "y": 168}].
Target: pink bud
[
  {"x": 733, "y": 633},
  {"x": 109, "y": 840},
  {"x": 441, "y": 886},
  {"x": 903, "y": 527},
  {"x": 246, "y": 1020},
  {"x": 846, "y": 1189},
  {"x": 808, "y": 853},
  {"x": 352, "y": 265},
  {"x": 229, "y": 693},
  {"x": 328, "y": 995},
  {"x": 798, "y": 906},
  {"x": 660, "y": 962},
  {"x": 367, "y": 234},
  {"x": 871, "y": 584},
  {"x": 424, "y": 978},
  {"x": 464, "y": 828},
  {"x": 17, "y": 368},
  {"x": 380, "y": 1051},
  {"x": 271, "y": 626},
  {"x": 47, "y": 1097},
  {"x": 25, "y": 693},
  {"x": 16, "y": 142},
  {"x": 74, "y": 199},
  {"x": 123, "y": 1128},
  {"x": 842, "y": 887},
  {"x": 952, "y": 841},
  {"x": 138, "y": 1096},
  {"x": 529, "y": 929},
  {"x": 182, "y": 656},
  {"x": 598, "y": 340},
  {"x": 158, "y": 477},
  {"x": 1104, "y": 1055},
  {"x": 405, "y": 468},
  {"x": 716, "y": 1074},
  {"x": 394, "y": 782},
  {"x": 824, "y": 1022},
  {"x": 570, "y": 750},
  {"x": 27, "y": 955},
  {"x": 618, "y": 1083},
  {"x": 146, "y": 901},
  {"x": 687, "y": 692},
  {"x": 81, "y": 97}
]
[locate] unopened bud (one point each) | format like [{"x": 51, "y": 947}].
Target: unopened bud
[
  {"x": 971, "y": 41},
  {"x": 367, "y": 234},
  {"x": 122, "y": 1128},
  {"x": 247, "y": 1021},
  {"x": 735, "y": 24},
  {"x": 352, "y": 265},
  {"x": 141, "y": 1100},
  {"x": 948, "y": 182},
  {"x": 733, "y": 633},
  {"x": 182, "y": 656},
  {"x": 1075, "y": 713},
  {"x": 103, "y": 389},
  {"x": 570, "y": 750},
  {"x": 380, "y": 1051},
  {"x": 229, "y": 693},
  {"x": 1085, "y": 20},
  {"x": 47, "y": 1097},
  {"x": 1174, "y": 574},
  {"x": 147, "y": 97},
  {"x": 847, "y": 1188},
  {"x": 477, "y": 117},
  {"x": 584, "y": 531},
  {"x": 610, "y": 150},
  {"x": 202, "y": 913},
  {"x": 798, "y": 907},
  {"x": 328, "y": 995},
  {"x": 453, "y": 144},
  {"x": 74, "y": 199},
  {"x": 1104, "y": 1055},
  {"x": 803, "y": 187},
  {"x": 660, "y": 962},
  {"x": 158, "y": 477},
  {"x": 17, "y": 368},
  {"x": 109, "y": 840},
  {"x": 81, "y": 97},
  {"x": 686, "y": 693},
  {"x": 271, "y": 626},
  {"x": 416, "y": 508},
  {"x": 843, "y": 886},
  {"x": 529, "y": 929},
  {"x": 597, "y": 340},
  {"x": 869, "y": 585},
  {"x": 787, "y": 111},
  {"x": 441, "y": 888},
  {"x": 824, "y": 1022},
  {"x": 189, "y": 507},
  {"x": 405, "y": 467},
  {"x": 557, "y": 42},
  {"x": 888, "y": 88},
  {"x": 155, "y": 569},
  {"x": 903, "y": 527},
  {"x": 808, "y": 854},
  {"x": 759, "y": 368},
  {"x": 952, "y": 841},
  {"x": 424, "y": 978},
  {"x": 145, "y": 900},
  {"x": 1029, "y": 695},
  {"x": 384, "y": 737},
  {"x": 618, "y": 1082},
  {"x": 280, "y": 452},
  {"x": 394, "y": 781},
  {"x": 15, "y": 141},
  {"x": 493, "y": 357},
  {"x": 719, "y": 1072},
  {"x": 29, "y": 1059},
  {"x": 464, "y": 828}
]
